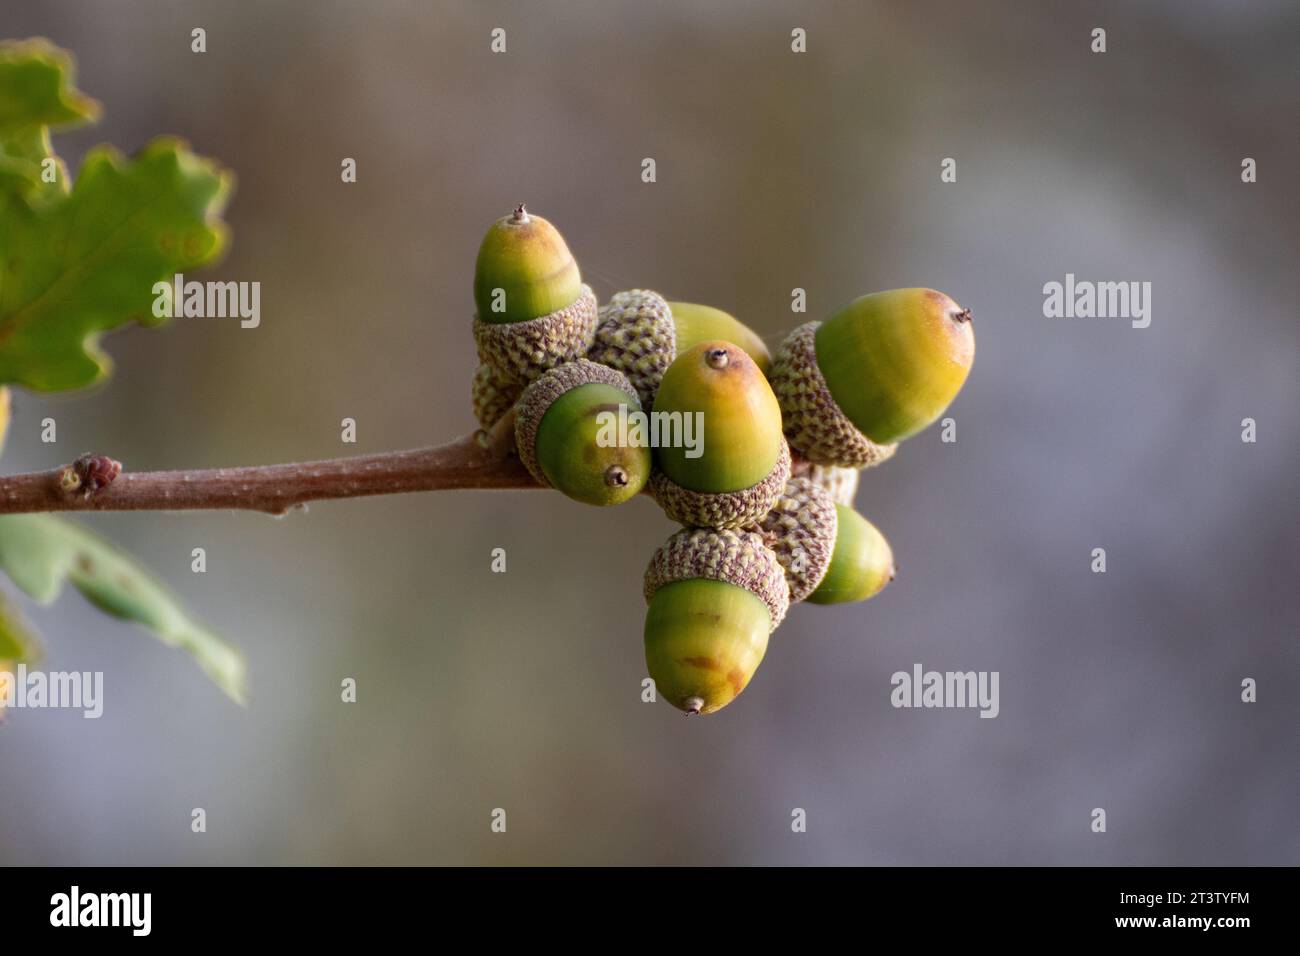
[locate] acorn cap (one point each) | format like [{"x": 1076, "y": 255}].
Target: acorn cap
[
  {"x": 636, "y": 335},
  {"x": 839, "y": 482},
  {"x": 524, "y": 270},
  {"x": 800, "y": 531},
  {"x": 733, "y": 557},
  {"x": 703, "y": 323},
  {"x": 814, "y": 423},
  {"x": 862, "y": 562},
  {"x": 721, "y": 509},
  {"x": 491, "y": 396},
  {"x": 581, "y": 467},
  {"x": 520, "y": 351},
  {"x": 895, "y": 360}
]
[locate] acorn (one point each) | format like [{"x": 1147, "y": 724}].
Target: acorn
[
  {"x": 640, "y": 333},
  {"x": 491, "y": 396},
  {"x": 534, "y": 312},
  {"x": 703, "y": 323},
  {"x": 830, "y": 554},
  {"x": 739, "y": 463},
  {"x": 713, "y": 598},
  {"x": 567, "y": 433},
  {"x": 874, "y": 373}
]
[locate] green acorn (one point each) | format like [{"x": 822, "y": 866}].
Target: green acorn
[
  {"x": 713, "y": 599},
  {"x": 640, "y": 333},
  {"x": 829, "y": 552},
  {"x": 862, "y": 562},
  {"x": 565, "y": 438},
  {"x": 703, "y": 323},
  {"x": 534, "y": 312},
  {"x": 740, "y": 463},
  {"x": 874, "y": 373}
]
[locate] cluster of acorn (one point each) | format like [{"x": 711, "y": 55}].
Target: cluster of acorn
[{"x": 766, "y": 504}]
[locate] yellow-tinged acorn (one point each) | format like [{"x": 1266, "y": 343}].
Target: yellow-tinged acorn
[
  {"x": 713, "y": 599},
  {"x": 567, "y": 435},
  {"x": 640, "y": 333},
  {"x": 862, "y": 562},
  {"x": 739, "y": 462},
  {"x": 830, "y": 553},
  {"x": 533, "y": 310},
  {"x": 703, "y": 323},
  {"x": 874, "y": 373}
]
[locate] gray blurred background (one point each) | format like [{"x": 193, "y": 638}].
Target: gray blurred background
[{"x": 775, "y": 170}]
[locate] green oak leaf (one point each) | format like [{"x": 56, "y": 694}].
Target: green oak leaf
[
  {"x": 79, "y": 265},
  {"x": 41, "y": 552},
  {"x": 36, "y": 93},
  {"x": 36, "y": 87},
  {"x": 78, "y": 261}
]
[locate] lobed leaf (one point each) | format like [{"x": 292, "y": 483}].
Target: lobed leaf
[
  {"x": 78, "y": 261},
  {"x": 36, "y": 93}
]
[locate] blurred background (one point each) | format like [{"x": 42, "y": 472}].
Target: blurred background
[{"x": 775, "y": 170}]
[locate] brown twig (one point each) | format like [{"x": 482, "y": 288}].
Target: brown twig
[{"x": 274, "y": 489}]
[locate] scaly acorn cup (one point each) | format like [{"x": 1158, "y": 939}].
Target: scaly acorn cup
[
  {"x": 565, "y": 439},
  {"x": 636, "y": 336},
  {"x": 861, "y": 564},
  {"x": 713, "y": 599},
  {"x": 814, "y": 423},
  {"x": 491, "y": 396},
  {"x": 841, "y": 483},
  {"x": 874, "y": 373},
  {"x": 534, "y": 312},
  {"x": 800, "y": 531},
  {"x": 739, "y": 462}
]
